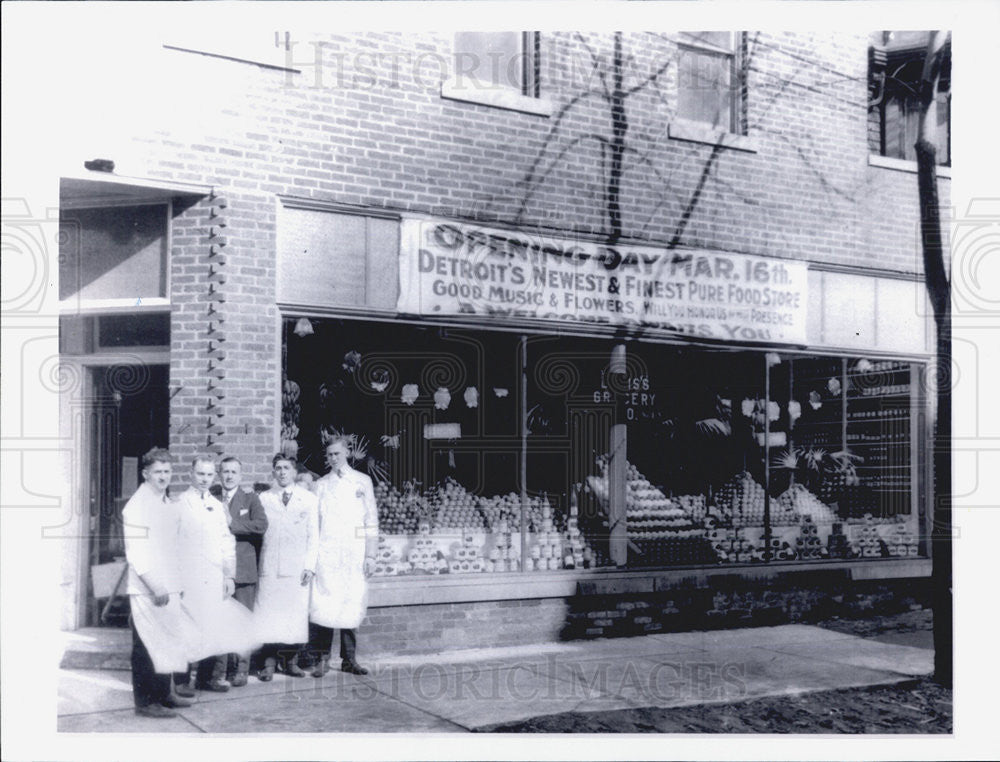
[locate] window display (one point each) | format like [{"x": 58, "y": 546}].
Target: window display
[{"x": 493, "y": 452}]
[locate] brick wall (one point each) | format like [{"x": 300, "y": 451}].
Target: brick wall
[
  {"x": 735, "y": 602},
  {"x": 367, "y": 126}
]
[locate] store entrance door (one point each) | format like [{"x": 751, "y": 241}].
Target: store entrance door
[{"x": 129, "y": 415}]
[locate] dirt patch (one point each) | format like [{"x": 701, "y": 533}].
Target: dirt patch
[
  {"x": 913, "y": 706},
  {"x": 918, "y": 706}
]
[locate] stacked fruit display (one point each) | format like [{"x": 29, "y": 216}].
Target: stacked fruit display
[
  {"x": 807, "y": 544},
  {"x": 901, "y": 541},
  {"x": 454, "y": 506},
  {"x": 467, "y": 558},
  {"x": 660, "y": 530},
  {"x": 501, "y": 509},
  {"x": 696, "y": 506},
  {"x": 741, "y": 501},
  {"x": 799, "y": 501},
  {"x": 400, "y": 512}
]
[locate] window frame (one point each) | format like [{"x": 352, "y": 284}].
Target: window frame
[
  {"x": 883, "y": 60},
  {"x": 526, "y": 99},
  {"x": 737, "y": 78},
  {"x": 76, "y": 305}
]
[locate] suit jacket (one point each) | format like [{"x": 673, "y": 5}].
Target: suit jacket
[{"x": 248, "y": 522}]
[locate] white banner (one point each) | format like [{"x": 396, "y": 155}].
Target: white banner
[{"x": 448, "y": 268}]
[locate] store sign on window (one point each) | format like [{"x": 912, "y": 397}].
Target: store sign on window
[{"x": 449, "y": 269}]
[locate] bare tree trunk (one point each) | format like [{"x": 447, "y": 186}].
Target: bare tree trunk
[
  {"x": 619, "y": 126},
  {"x": 939, "y": 290}
]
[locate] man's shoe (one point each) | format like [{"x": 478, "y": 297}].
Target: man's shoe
[
  {"x": 321, "y": 668},
  {"x": 155, "y": 710},
  {"x": 239, "y": 680},
  {"x": 352, "y": 667},
  {"x": 185, "y": 690},
  {"x": 266, "y": 673},
  {"x": 216, "y": 686},
  {"x": 176, "y": 702},
  {"x": 294, "y": 670}
]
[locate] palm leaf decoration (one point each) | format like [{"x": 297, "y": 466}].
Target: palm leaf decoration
[
  {"x": 786, "y": 459},
  {"x": 814, "y": 458},
  {"x": 712, "y": 427}
]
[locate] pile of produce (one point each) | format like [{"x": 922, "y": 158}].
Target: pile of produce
[
  {"x": 400, "y": 512},
  {"x": 454, "y": 506},
  {"x": 800, "y": 501}
]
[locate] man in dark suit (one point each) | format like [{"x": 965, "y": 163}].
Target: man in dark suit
[{"x": 247, "y": 522}]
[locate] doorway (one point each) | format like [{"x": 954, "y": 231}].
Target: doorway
[{"x": 129, "y": 415}]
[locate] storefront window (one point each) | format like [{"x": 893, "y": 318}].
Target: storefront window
[{"x": 499, "y": 452}]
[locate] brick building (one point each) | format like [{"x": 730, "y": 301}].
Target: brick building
[{"x": 685, "y": 352}]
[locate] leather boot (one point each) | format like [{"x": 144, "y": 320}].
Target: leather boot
[
  {"x": 322, "y": 666},
  {"x": 266, "y": 674},
  {"x": 242, "y": 670},
  {"x": 292, "y": 668}
]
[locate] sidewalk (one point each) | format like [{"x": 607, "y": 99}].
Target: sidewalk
[{"x": 469, "y": 689}]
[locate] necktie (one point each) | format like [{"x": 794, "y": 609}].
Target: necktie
[{"x": 285, "y": 497}]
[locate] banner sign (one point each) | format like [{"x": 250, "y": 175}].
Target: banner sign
[{"x": 448, "y": 268}]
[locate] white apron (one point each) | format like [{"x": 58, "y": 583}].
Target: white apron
[
  {"x": 347, "y": 516},
  {"x": 169, "y": 633},
  {"x": 208, "y": 558},
  {"x": 289, "y": 548},
  {"x": 152, "y": 534}
]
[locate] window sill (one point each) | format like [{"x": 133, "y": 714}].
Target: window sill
[
  {"x": 93, "y": 306},
  {"x": 465, "y": 588},
  {"x": 497, "y": 98},
  {"x": 681, "y": 129},
  {"x": 903, "y": 165}
]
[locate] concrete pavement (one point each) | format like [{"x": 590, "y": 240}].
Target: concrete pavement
[{"x": 464, "y": 690}]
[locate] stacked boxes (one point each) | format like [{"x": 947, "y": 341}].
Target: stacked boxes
[
  {"x": 807, "y": 544},
  {"x": 836, "y": 544},
  {"x": 466, "y": 558},
  {"x": 901, "y": 542},
  {"x": 867, "y": 543}
]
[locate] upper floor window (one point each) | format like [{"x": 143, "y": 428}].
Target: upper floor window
[
  {"x": 896, "y": 62},
  {"x": 711, "y": 79},
  {"x": 499, "y": 69},
  {"x": 114, "y": 256},
  {"x": 490, "y": 60}
]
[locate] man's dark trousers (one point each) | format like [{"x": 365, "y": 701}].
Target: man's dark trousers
[
  {"x": 321, "y": 639},
  {"x": 148, "y": 685}
]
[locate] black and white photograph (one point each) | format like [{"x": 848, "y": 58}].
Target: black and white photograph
[{"x": 604, "y": 382}]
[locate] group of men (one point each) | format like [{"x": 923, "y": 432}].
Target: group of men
[{"x": 220, "y": 585}]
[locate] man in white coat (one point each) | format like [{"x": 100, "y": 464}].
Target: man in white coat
[
  {"x": 348, "y": 539},
  {"x": 208, "y": 571},
  {"x": 164, "y": 635},
  {"x": 287, "y": 566}
]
